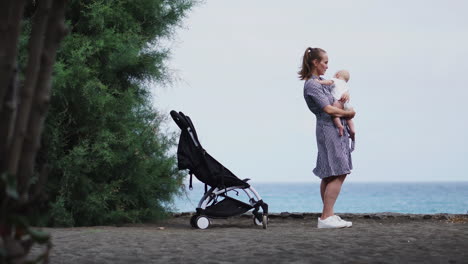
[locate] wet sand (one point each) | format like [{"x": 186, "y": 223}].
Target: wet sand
[{"x": 289, "y": 238}]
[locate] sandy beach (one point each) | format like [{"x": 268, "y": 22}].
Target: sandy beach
[{"x": 289, "y": 238}]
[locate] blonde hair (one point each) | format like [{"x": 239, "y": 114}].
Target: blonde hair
[{"x": 343, "y": 74}]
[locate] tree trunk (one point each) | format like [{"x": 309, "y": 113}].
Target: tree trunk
[
  {"x": 36, "y": 44},
  {"x": 7, "y": 119},
  {"x": 55, "y": 32},
  {"x": 20, "y": 130},
  {"x": 10, "y": 27}
]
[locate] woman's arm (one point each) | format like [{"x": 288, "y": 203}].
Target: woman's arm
[
  {"x": 335, "y": 111},
  {"x": 315, "y": 91}
]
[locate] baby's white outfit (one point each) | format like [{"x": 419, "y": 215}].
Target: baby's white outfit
[{"x": 339, "y": 88}]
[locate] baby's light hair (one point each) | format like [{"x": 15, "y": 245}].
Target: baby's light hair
[{"x": 344, "y": 74}]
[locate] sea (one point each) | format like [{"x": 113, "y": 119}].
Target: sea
[{"x": 355, "y": 197}]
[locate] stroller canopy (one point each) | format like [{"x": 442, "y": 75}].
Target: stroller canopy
[{"x": 191, "y": 156}]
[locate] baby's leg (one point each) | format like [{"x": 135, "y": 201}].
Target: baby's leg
[
  {"x": 337, "y": 120},
  {"x": 350, "y": 122},
  {"x": 352, "y": 131}
]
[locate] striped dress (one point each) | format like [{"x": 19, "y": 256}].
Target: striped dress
[{"x": 334, "y": 152}]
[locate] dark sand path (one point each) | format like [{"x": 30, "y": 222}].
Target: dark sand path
[{"x": 290, "y": 238}]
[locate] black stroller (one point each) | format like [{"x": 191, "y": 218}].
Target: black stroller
[{"x": 215, "y": 203}]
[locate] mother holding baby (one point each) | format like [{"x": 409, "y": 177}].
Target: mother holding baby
[{"x": 334, "y": 152}]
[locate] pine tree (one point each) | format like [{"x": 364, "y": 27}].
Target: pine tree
[{"x": 108, "y": 159}]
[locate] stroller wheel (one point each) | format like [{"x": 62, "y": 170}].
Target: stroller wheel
[
  {"x": 265, "y": 221},
  {"x": 256, "y": 221},
  {"x": 202, "y": 222},
  {"x": 192, "y": 220}
]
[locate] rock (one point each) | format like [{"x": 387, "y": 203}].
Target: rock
[
  {"x": 441, "y": 217},
  {"x": 285, "y": 214},
  {"x": 413, "y": 217},
  {"x": 273, "y": 216},
  {"x": 404, "y": 217},
  {"x": 312, "y": 215},
  {"x": 297, "y": 215},
  {"x": 186, "y": 214}
]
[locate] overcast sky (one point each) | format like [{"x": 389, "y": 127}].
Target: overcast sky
[{"x": 237, "y": 64}]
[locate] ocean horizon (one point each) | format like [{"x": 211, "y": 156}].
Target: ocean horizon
[{"x": 355, "y": 197}]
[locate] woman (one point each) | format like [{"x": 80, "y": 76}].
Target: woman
[{"x": 334, "y": 153}]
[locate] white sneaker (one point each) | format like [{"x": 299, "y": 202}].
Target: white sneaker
[
  {"x": 348, "y": 223},
  {"x": 330, "y": 222}
]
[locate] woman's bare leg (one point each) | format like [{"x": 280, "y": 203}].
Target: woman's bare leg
[
  {"x": 323, "y": 186},
  {"x": 330, "y": 189}
]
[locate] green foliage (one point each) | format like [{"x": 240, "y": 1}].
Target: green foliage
[
  {"x": 8, "y": 186},
  {"x": 15, "y": 224},
  {"x": 109, "y": 159}
]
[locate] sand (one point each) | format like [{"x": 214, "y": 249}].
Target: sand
[{"x": 289, "y": 238}]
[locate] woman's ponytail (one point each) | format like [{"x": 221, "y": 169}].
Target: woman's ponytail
[{"x": 307, "y": 68}]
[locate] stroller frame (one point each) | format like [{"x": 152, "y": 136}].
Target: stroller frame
[{"x": 192, "y": 156}]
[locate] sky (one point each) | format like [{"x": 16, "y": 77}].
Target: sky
[{"x": 236, "y": 63}]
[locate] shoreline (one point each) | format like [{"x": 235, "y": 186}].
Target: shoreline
[{"x": 374, "y": 216}]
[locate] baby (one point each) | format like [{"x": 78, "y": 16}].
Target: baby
[{"x": 340, "y": 87}]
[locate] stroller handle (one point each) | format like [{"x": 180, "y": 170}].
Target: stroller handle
[{"x": 179, "y": 120}]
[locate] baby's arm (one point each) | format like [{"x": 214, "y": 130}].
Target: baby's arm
[
  {"x": 325, "y": 82},
  {"x": 345, "y": 97}
]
